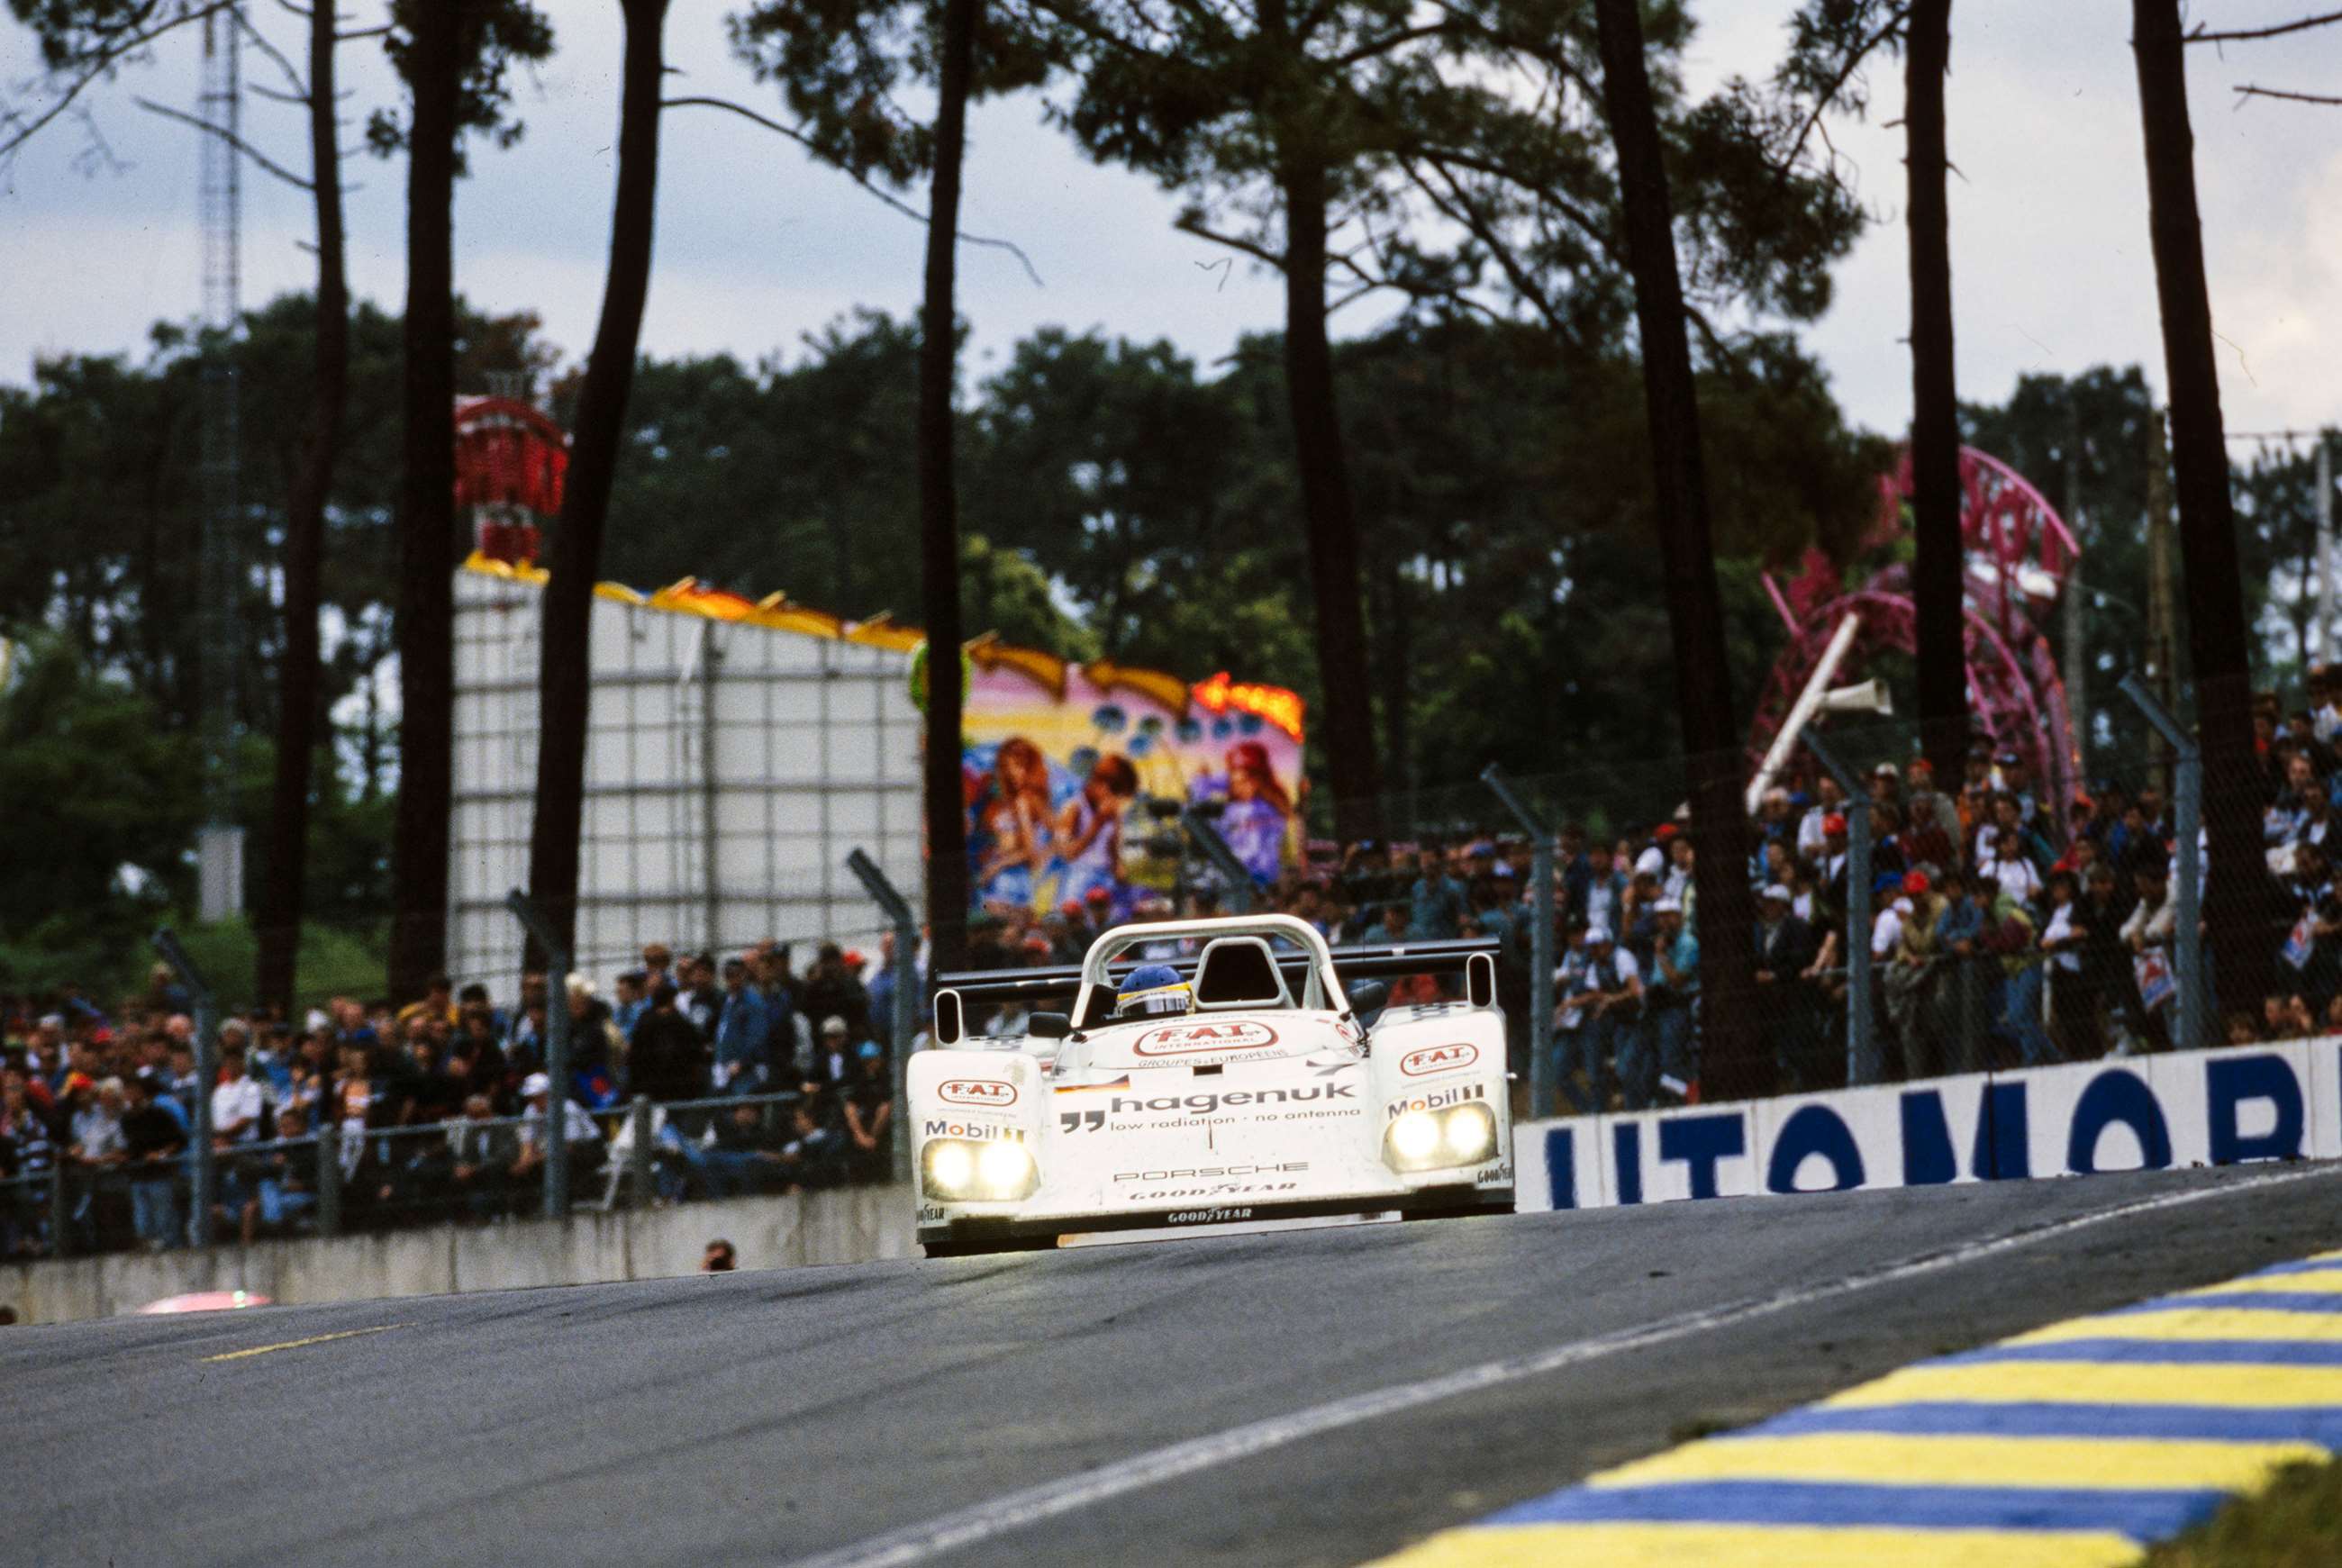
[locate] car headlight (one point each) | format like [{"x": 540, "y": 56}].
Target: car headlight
[
  {"x": 1468, "y": 1135},
  {"x": 1415, "y": 1137},
  {"x": 1434, "y": 1140},
  {"x": 956, "y": 1168}
]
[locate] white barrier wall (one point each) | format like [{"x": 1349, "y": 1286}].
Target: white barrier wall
[{"x": 2144, "y": 1113}]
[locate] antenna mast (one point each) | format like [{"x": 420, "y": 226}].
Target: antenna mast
[{"x": 220, "y": 841}]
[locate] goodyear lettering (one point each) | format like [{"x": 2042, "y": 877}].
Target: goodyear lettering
[
  {"x": 942, "y": 1127},
  {"x": 1437, "y": 1059},
  {"x": 1435, "y": 1099},
  {"x": 1207, "y": 1216},
  {"x": 989, "y": 1091}
]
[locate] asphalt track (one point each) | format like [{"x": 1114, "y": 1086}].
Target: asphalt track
[{"x": 1309, "y": 1397}]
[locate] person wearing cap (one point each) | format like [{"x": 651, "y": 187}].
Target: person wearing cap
[
  {"x": 2147, "y": 930},
  {"x": 1784, "y": 951},
  {"x": 1608, "y": 999},
  {"x": 1673, "y": 991},
  {"x": 868, "y": 1102},
  {"x": 1909, "y": 983},
  {"x": 579, "y": 1132},
  {"x": 833, "y": 1056}
]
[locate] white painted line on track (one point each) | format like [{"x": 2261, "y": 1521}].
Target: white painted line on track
[{"x": 1017, "y": 1509}]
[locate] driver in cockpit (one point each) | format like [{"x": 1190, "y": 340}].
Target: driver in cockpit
[{"x": 1152, "y": 990}]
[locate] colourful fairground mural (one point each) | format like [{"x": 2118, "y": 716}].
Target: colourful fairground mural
[{"x": 1074, "y": 776}]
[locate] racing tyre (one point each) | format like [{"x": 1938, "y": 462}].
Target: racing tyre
[{"x": 985, "y": 1249}]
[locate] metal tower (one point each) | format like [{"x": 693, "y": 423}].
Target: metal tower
[{"x": 220, "y": 842}]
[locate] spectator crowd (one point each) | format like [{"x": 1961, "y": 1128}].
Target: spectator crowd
[
  {"x": 759, "y": 1079},
  {"x": 2008, "y": 929}
]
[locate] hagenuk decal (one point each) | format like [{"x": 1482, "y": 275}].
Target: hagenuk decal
[
  {"x": 1433, "y": 1059},
  {"x": 1196, "y": 1038},
  {"x": 988, "y": 1092}
]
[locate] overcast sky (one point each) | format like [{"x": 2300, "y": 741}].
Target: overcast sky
[{"x": 758, "y": 246}]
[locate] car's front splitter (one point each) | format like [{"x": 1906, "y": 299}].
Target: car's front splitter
[{"x": 1459, "y": 1199}]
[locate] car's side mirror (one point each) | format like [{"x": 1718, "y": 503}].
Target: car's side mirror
[
  {"x": 1049, "y": 1025},
  {"x": 951, "y": 1024},
  {"x": 1368, "y": 996}
]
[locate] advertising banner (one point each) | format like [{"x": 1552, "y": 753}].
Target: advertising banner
[
  {"x": 2276, "y": 1102},
  {"x": 1075, "y": 774}
]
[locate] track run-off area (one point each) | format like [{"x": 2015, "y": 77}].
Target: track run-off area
[{"x": 1314, "y": 1396}]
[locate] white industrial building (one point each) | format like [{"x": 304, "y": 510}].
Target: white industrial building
[{"x": 738, "y": 752}]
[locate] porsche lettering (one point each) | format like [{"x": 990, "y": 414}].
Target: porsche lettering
[{"x": 1200, "y": 1172}]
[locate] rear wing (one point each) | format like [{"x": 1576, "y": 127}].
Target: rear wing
[{"x": 1377, "y": 961}]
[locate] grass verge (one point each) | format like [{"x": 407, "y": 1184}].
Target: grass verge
[{"x": 2296, "y": 1523}]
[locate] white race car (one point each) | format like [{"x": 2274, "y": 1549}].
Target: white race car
[{"x": 1211, "y": 1072}]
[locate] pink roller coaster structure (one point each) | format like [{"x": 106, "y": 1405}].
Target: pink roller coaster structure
[{"x": 2018, "y": 553}]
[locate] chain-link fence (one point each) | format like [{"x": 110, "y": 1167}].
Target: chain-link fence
[
  {"x": 472, "y": 1169},
  {"x": 1890, "y": 924}
]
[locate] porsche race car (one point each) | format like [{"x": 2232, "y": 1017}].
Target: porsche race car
[{"x": 1207, "y": 1073}]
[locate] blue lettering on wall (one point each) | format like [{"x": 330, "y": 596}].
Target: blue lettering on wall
[
  {"x": 1814, "y": 1130},
  {"x": 1626, "y": 1139},
  {"x": 2228, "y": 1082},
  {"x": 2117, "y": 1094},
  {"x": 1700, "y": 1142},
  {"x": 2004, "y": 1142},
  {"x": 1561, "y": 1166},
  {"x": 1927, "y": 1140}
]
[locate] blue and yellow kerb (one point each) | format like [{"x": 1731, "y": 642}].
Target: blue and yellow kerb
[{"x": 2072, "y": 1446}]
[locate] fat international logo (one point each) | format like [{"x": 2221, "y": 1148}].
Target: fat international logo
[
  {"x": 1196, "y": 1038},
  {"x": 988, "y": 1092},
  {"x": 1437, "y": 1059}
]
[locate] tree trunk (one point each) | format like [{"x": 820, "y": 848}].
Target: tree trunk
[
  {"x": 947, "y": 895},
  {"x": 2217, "y": 640},
  {"x": 1937, "y": 589},
  {"x": 279, "y": 914},
  {"x": 1734, "y": 1065},
  {"x": 1346, "y": 721},
  {"x": 427, "y": 537},
  {"x": 564, "y": 671}
]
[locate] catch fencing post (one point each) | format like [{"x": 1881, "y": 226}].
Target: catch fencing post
[
  {"x": 1861, "y": 1020},
  {"x": 206, "y": 1012},
  {"x": 1541, "y": 936},
  {"x": 1224, "y": 860},
  {"x": 556, "y": 1052},
  {"x": 2188, "y": 816},
  {"x": 639, "y": 1156},
  {"x": 899, "y": 915},
  {"x": 60, "y": 1207},
  {"x": 329, "y": 1178}
]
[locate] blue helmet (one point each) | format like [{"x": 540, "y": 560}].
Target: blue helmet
[{"x": 1153, "y": 990}]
